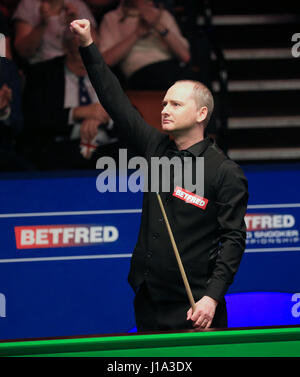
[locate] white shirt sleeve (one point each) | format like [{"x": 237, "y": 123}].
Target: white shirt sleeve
[
  {"x": 109, "y": 32},
  {"x": 28, "y": 11}
]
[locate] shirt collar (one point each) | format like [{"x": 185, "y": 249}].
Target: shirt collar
[{"x": 196, "y": 149}]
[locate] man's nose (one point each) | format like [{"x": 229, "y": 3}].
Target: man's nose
[{"x": 165, "y": 110}]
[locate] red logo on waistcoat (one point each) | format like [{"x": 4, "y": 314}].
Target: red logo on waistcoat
[{"x": 190, "y": 198}]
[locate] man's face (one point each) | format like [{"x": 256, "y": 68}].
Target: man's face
[{"x": 179, "y": 111}]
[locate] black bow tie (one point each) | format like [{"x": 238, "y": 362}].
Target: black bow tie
[{"x": 175, "y": 153}]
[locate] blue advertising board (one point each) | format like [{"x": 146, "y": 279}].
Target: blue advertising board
[{"x": 66, "y": 248}]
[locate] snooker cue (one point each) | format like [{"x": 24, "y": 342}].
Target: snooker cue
[{"x": 183, "y": 275}]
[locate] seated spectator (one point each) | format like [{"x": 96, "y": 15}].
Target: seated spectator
[
  {"x": 65, "y": 125},
  {"x": 11, "y": 115},
  {"x": 4, "y": 29},
  {"x": 146, "y": 43},
  {"x": 40, "y": 24}
]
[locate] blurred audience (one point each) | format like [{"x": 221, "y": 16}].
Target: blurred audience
[
  {"x": 11, "y": 115},
  {"x": 65, "y": 125},
  {"x": 100, "y": 7},
  {"x": 5, "y": 30},
  {"x": 40, "y": 25},
  {"x": 8, "y": 7},
  {"x": 146, "y": 43},
  {"x": 60, "y": 124}
]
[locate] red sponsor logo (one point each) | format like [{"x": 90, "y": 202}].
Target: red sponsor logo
[
  {"x": 190, "y": 198},
  {"x": 45, "y": 236}
]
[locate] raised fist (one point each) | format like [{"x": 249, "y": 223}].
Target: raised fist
[{"x": 82, "y": 29}]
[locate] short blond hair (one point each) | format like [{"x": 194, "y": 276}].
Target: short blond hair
[{"x": 203, "y": 97}]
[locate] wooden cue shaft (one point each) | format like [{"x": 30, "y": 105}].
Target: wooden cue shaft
[{"x": 181, "y": 268}]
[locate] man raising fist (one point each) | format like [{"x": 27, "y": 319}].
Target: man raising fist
[{"x": 211, "y": 240}]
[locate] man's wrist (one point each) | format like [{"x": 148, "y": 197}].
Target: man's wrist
[
  {"x": 86, "y": 43},
  {"x": 162, "y": 30},
  {"x": 211, "y": 299},
  {"x": 77, "y": 113}
]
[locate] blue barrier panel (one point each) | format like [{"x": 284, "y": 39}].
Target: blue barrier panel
[{"x": 65, "y": 254}]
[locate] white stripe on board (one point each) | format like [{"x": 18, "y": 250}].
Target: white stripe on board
[
  {"x": 267, "y": 250},
  {"x": 284, "y": 205},
  {"x": 75, "y": 257},
  {"x": 122, "y": 211},
  {"x": 115, "y": 256},
  {"x": 71, "y": 213}
]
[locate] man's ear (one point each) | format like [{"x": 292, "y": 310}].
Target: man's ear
[{"x": 202, "y": 114}]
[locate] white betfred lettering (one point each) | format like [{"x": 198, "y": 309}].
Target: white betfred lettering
[
  {"x": 288, "y": 221},
  {"x": 42, "y": 237},
  {"x": 190, "y": 198},
  {"x": 96, "y": 234},
  {"x": 256, "y": 221},
  {"x": 269, "y": 221},
  {"x": 55, "y": 232},
  {"x": 68, "y": 233},
  {"x": 27, "y": 237},
  {"x": 277, "y": 221},
  {"x": 110, "y": 234},
  {"x": 81, "y": 235},
  {"x": 266, "y": 221}
]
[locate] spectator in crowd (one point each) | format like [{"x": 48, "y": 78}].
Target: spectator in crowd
[
  {"x": 40, "y": 24},
  {"x": 100, "y": 7},
  {"x": 11, "y": 115},
  {"x": 65, "y": 125},
  {"x": 4, "y": 29},
  {"x": 146, "y": 43}
]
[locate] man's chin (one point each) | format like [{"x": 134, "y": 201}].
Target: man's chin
[{"x": 167, "y": 127}]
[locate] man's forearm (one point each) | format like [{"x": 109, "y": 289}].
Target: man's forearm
[
  {"x": 27, "y": 45},
  {"x": 226, "y": 266},
  {"x": 118, "y": 52},
  {"x": 129, "y": 122},
  {"x": 107, "y": 86},
  {"x": 93, "y": 111},
  {"x": 174, "y": 43}
]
